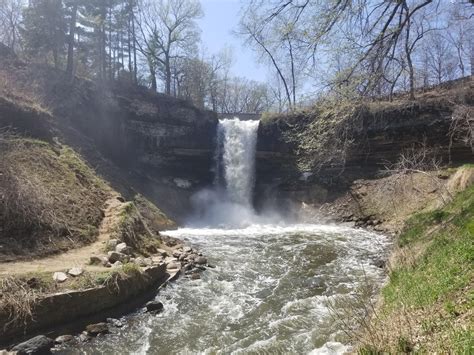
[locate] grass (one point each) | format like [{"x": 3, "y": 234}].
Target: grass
[
  {"x": 19, "y": 294},
  {"x": 427, "y": 304},
  {"x": 52, "y": 199}
]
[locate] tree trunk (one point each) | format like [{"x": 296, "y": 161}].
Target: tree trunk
[
  {"x": 167, "y": 74},
  {"x": 135, "y": 68},
  {"x": 70, "y": 48}
]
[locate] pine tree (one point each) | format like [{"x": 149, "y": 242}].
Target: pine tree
[{"x": 44, "y": 30}]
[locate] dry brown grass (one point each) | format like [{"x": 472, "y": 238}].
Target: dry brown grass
[{"x": 51, "y": 200}]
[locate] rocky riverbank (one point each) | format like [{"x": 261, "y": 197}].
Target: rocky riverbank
[{"x": 132, "y": 281}]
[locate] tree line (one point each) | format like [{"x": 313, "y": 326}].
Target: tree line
[
  {"x": 361, "y": 47},
  {"x": 155, "y": 43}
]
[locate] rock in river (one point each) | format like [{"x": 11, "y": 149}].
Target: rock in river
[
  {"x": 96, "y": 329},
  {"x": 38, "y": 345},
  {"x": 200, "y": 260},
  {"x": 63, "y": 339},
  {"x": 154, "y": 306}
]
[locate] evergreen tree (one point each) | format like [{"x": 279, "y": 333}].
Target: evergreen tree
[{"x": 44, "y": 29}]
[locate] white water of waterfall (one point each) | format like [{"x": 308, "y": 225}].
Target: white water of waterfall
[
  {"x": 238, "y": 140},
  {"x": 229, "y": 202}
]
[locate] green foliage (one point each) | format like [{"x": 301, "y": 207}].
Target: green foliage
[{"x": 440, "y": 276}]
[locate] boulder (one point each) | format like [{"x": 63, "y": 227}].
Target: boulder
[
  {"x": 187, "y": 249},
  {"x": 154, "y": 306},
  {"x": 59, "y": 277},
  {"x": 177, "y": 254},
  {"x": 63, "y": 339},
  {"x": 200, "y": 260},
  {"x": 38, "y": 345},
  {"x": 211, "y": 266},
  {"x": 96, "y": 329},
  {"x": 116, "y": 256},
  {"x": 75, "y": 271},
  {"x": 195, "y": 276},
  {"x": 117, "y": 264}
]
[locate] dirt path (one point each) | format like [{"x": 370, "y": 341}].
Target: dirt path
[{"x": 74, "y": 257}]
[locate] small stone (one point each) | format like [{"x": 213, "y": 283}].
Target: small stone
[
  {"x": 115, "y": 322},
  {"x": 84, "y": 337},
  {"x": 63, "y": 339},
  {"x": 98, "y": 328},
  {"x": 157, "y": 259},
  {"x": 154, "y": 306},
  {"x": 195, "y": 276},
  {"x": 188, "y": 267},
  {"x": 200, "y": 260},
  {"x": 162, "y": 252},
  {"x": 112, "y": 244},
  {"x": 211, "y": 266},
  {"x": 59, "y": 277},
  {"x": 173, "y": 265},
  {"x": 187, "y": 249},
  {"x": 117, "y": 264},
  {"x": 177, "y": 254},
  {"x": 122, "y": 248},
  {"x": 148, "y": 261},
  {"x": 75, "y": 271},
  {"x": 115, "y": 256},
  {"x": 38, "y": 345}
]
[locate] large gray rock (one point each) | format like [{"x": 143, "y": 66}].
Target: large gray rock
[
  {"x": 96, "y": 329},
  {"x": 38, "y": 345}
]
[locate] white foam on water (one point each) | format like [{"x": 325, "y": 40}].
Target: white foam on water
[{"x": 331, "y": 348}]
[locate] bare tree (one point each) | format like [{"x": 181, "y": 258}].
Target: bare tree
[
  {"x": 10, "y": 20},
  {"x": 167, "y": 28}
]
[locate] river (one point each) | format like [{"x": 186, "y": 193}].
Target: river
[{"x": 277, "y": 288}]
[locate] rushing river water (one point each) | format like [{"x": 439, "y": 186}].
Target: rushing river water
[
  {"x": 275, "y": 287},
  {"x": 269, "y": 294}
]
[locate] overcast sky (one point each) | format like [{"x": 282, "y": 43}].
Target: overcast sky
[{"x": 221, "y": 17}]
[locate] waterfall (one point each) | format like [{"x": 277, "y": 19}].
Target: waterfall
[
  {"x": 235, "y": 159},
  {"x": 228, "y": 203}
]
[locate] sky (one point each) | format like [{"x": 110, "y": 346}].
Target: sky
[{"x": 221, "y": 17}]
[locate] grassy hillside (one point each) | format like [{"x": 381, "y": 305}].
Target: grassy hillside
[
  {"x": 427, "y": 304},
  {"x": 51, "y": 199}
]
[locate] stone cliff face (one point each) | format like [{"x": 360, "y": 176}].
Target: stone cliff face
[
  {"x": 165, "y": 144},
  {"x": 380, "y": 136}
]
